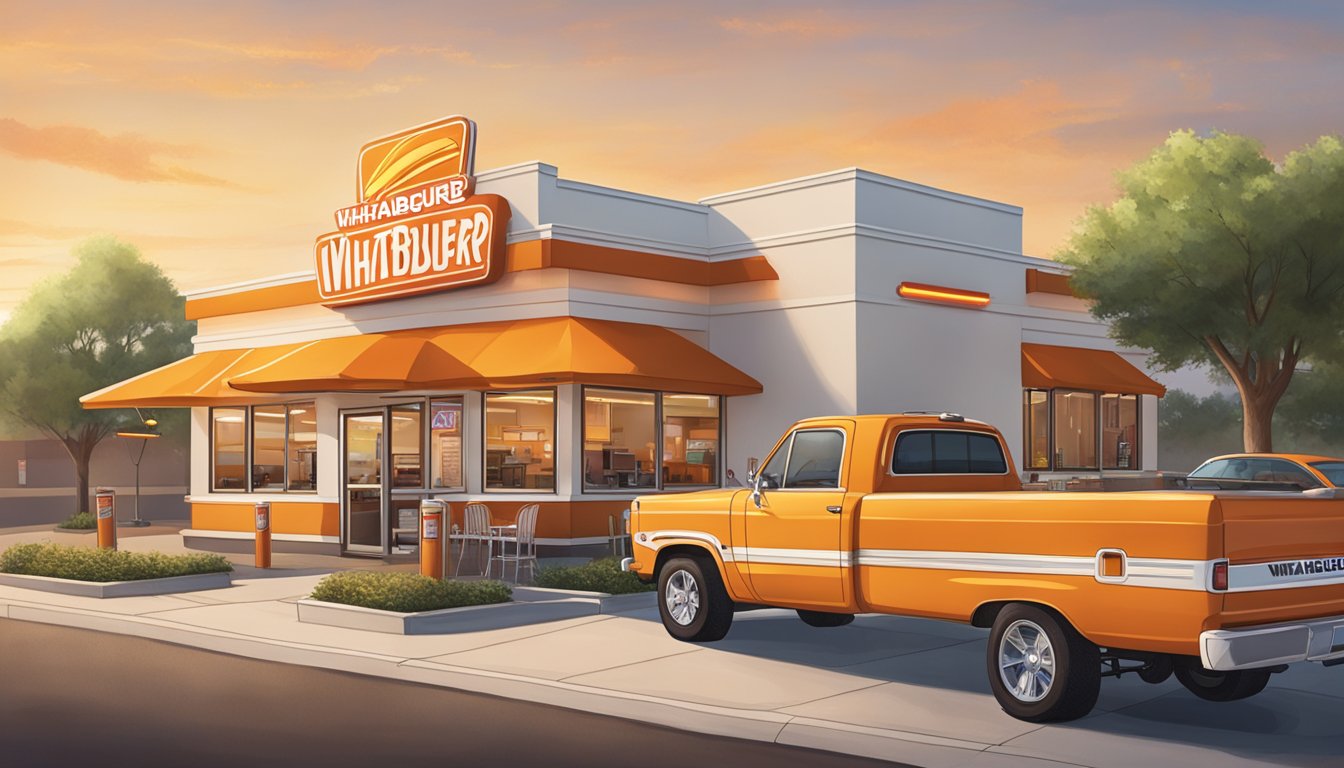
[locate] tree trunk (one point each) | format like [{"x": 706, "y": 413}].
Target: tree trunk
[
  {"x": 82, "y": 473},
  {"x": 80, "y": 450},
  {"x": 1257, "y": 422}
]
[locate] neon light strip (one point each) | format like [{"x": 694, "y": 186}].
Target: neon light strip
[{"x": 943, "y": 295}]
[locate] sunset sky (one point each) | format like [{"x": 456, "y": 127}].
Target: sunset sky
[{"x": 219, "y": 137}]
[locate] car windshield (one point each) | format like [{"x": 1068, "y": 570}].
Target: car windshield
[
  {"x": 1253, "y": 473},
  {"x": 1333, "y": 471}
]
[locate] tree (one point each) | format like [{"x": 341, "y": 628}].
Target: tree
[
  {"x": 1214, "y": 255},
  {"x": 112, "y": 316}
]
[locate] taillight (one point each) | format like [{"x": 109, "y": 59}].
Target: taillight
[{"x": 1220, "y": 576}]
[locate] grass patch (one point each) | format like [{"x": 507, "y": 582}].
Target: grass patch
[
  {"x": 85, "y": 564},
  {"x": 80, "y": 521},
  {"x": 598, "y": 576},
  {"x": 407, "y": 592}
]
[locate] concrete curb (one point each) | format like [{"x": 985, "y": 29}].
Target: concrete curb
[
  {"x": 471, "y": 618},
  {"x": 607, "y": 603},
  {"x": 756, "y": 725},
  {"x": 166, "y": 586}
]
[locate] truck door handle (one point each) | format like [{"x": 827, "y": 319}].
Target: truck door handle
[{"x": 834, "y": 510}]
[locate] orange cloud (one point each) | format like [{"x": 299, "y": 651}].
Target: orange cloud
[
  {"x": 126, "y": 156},
  {"x": 813, "y": 26}
]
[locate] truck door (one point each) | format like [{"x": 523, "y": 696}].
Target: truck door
[{"x": 793, "y": 537}]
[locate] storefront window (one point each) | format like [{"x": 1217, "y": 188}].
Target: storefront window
[
  {"x": 302, "y": 447},
  {"x": 407, "y": 469},
  {"x": 1070, "y": 430},
  {"x": 268, "y": 448},
  {"x": 520, "y": 440},
  {"x": 228, "y": 431},
  {"x": 1075, "y": 430},
  {"x": 1037, "y": 414},
  {"x": 619, "y": 437},
  {"x": 690, "y": 440},
  {"x": 1119, "y": 431},
  {"x": 445, "y": 443}
]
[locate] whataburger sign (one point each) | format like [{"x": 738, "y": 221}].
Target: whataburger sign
[{"x": 417, "y": 227}]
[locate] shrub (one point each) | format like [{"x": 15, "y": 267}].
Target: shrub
[
  {"x": 407, "y": 592},
  {"x": 80, "y": 521},
  {"x": 86, "y": 564},
  {"x": 598, "y": 576}
]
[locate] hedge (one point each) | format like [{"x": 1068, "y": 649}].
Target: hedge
[
  {"x": 86, "y": 564},
  {"x": 407, "y": 592},
  {"x": 80, "y": 521},
  {"x": 598, "y": 576}
]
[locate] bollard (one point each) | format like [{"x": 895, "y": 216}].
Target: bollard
[
  {"x": 263, "y": 534},
  {"x": 105, "y": 502},
  {"x": 431, "y": 544}
]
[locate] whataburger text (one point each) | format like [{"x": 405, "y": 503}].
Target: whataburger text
[{"x": 415, "y": 254}]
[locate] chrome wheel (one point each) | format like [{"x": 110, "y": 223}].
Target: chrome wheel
[
  {"x": 682, "y": 598},
  {"x": 1026, "y": 661}
]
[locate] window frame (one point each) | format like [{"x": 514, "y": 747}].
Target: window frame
[
  {"x": 485, "y": 439},
  {"x": 1051, "y": 466},
  {"x": 249, "y": 449},
  {"x": 657, "y": 441}
]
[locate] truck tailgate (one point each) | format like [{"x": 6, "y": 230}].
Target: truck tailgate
[{"x": 1286, "y": 557}]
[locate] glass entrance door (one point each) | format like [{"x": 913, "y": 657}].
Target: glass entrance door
[{"x": 365, "y": 495}]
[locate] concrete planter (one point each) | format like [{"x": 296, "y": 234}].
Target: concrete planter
[
  {"x": 606, "y": 603},
  {"x": 169, "y": 585},
  {"x": 472, "y": 618}
]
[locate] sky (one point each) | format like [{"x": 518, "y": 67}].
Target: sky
[{"x": 220, "y": 137}]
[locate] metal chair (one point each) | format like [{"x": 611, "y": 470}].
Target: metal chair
[
  {"x": 476, "y": 530},
  {"x": 524, "y": 541}
]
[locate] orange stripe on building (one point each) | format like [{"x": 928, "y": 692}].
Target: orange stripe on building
[
  {"x": 522, "y": 257},
  {"x": 312, "y": 518}
]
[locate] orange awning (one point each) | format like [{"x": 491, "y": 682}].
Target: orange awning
[
  {"x": 1048, "y": 367},
  {"x": 514, "y": 353},
  {"x": 201, "y": 379}
]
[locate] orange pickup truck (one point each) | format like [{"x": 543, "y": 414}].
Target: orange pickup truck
[{"x": 922, "y": 515}]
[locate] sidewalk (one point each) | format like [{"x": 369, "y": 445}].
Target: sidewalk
[{"x": 885, "y": 687}]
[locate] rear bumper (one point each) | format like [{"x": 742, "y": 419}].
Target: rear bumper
[{"x": 1264, "y": 646}]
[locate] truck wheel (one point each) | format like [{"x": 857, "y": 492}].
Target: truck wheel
[
  {"x": 1040, "y": 669},
  {"x": 823, "y": 619},
  {"x": 692, "y": 601},
  {"x": 1210, "y": 685}
]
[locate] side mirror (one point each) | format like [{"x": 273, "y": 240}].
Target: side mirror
[{"x": 756, "y": 490}]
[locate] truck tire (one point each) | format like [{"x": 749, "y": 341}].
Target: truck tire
[
  {"x": 1040, "y": 669},
  {"x": 692, "y": 601},
  {"x": 1220, "y": 686},
  {"x": 823, "y": 619}
]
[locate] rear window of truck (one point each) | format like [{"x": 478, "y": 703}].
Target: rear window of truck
[{"x": 947, "y": 452}]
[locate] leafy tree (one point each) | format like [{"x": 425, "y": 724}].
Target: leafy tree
[
  {"x": 1312, "y": 408},
  {"x": 1214, "y": 255},
  {"x": 112, "y": 316}
]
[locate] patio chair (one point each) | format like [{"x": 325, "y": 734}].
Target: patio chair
[
  {"x": 475, "y": 530},
  {"x": 524, "y": 540}
]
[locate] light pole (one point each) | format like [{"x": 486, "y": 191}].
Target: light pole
[{"x": 144, "y": 436}]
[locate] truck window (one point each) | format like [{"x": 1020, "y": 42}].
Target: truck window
[
  {"x": 814, "y": 459},
  {"x": 947, "y": 452}
]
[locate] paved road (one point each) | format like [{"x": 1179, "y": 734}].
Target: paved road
[{"x": 68, "y": 696}]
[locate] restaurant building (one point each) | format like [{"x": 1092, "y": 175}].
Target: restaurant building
[{"x": 514, "y": 337}]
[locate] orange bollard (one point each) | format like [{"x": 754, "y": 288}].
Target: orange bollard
[
  {"x": 105, "y": 502},
  {"x": 431, "y": 545},
  {"x": 263, "y": 534}
]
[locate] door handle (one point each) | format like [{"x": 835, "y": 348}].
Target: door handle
[{"x": 835, "y": 510}]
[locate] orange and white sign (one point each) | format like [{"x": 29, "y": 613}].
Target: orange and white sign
[
  {"x": 417, "y": 226},
  {"x": 436, "y": 151},
  {"x": 414, "y": 254}
]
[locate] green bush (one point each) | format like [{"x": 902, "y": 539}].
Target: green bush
[
  {"x": 86, "y": 564},
  {"x": 80, "y": 521},
  {"x": 407, "y": 592},
  {"x": 598, "y": 576}
]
